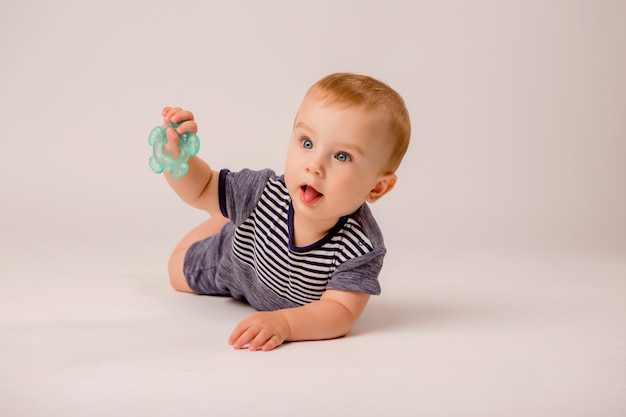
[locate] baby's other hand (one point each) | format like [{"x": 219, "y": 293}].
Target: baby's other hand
[
  {"x": 264, "y": 330},
  {"x": 187, "y": 124}
]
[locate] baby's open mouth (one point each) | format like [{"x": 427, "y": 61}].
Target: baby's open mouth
[{"x": 310, "y": 194}]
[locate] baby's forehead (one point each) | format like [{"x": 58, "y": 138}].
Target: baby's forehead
[
  {"x": 338, "y": 104},
  {"x": 358, "y": 121}
]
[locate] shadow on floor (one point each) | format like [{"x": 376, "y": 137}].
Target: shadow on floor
[{"x": 412, "y": 314}]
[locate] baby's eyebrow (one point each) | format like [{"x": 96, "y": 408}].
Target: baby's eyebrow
[
  {"x": 351, "y": 147},
  {"x": 302, "y": 125}
]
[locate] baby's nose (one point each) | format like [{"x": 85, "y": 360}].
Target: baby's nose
[{"x": 315, "y": 166}]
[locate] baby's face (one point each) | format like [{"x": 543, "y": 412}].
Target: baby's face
[{"x": 336, "y": 158}]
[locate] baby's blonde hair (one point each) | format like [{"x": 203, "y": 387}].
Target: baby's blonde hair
[{"x": 349, "y": 89}]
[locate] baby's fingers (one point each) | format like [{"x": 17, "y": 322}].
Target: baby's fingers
[
  {"x": 255, "y": 339},
  {"x": 167, "y": 114},
  {"x": 239, "y": 341},
  {"x": 271, "y": 343},
  {"x": 189, "y": 126},
  {"x": 175, "y": 115},
  {"x": 166, "y": 110},
  {"x": 181, "y": 116},
  {"x": 171, "y": 147},
  {"x": 261, "y": 340}
]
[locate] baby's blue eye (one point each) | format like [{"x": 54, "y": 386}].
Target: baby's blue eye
[
  {"x": 306, "y": 143},
  {"x": 342, "y": 157}
]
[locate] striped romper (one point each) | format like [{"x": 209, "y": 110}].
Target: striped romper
[{"x": 253, "y": 258}]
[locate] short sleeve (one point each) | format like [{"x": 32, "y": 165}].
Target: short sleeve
[
  {"x": 239, "y": 192},
  {"x": 359, "y": 274}
]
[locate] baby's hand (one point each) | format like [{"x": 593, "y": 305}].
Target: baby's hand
[
  {"x": 187, "y": 124},
  {"x": 261, "y": 331}
]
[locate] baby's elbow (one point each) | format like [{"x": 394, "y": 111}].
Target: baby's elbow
[
  {"x": 345, "y": 332},
  {"x": 346, "y": 321}
]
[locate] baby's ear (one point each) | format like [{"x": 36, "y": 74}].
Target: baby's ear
[{"x": 382, "y": 187}]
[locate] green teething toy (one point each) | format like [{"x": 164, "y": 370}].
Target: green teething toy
[{"x": 159, "y": 162}]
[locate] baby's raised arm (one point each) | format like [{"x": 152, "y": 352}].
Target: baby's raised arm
[{"x": 198, "y": 187}]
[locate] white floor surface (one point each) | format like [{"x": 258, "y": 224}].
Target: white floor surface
[{"x": 454, "y": 334}]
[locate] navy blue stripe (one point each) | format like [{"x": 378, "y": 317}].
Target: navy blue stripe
[{"x": 222, "y": 192}]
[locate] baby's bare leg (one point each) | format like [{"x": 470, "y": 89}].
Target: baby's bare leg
[{"x": 175, "y": 265}]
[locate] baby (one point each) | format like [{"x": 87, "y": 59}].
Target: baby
[{"x": 301, "y": 248}]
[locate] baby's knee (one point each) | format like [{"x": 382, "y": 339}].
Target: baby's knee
[{"x": 176, "y": 273}]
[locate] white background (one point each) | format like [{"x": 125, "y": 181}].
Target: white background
[
  {"x": 519, "y": 139},
  {"x": 518, "y": 145}
]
